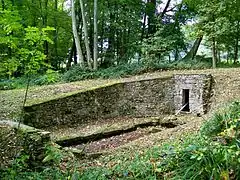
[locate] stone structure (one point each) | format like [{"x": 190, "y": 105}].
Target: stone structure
[
  {"x": 141, "y": 98},
  {"x": 22, "y": 140},
  {"x": 192, "y": 93}
]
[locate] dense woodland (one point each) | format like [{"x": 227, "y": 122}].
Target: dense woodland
[{"x": 57, "y": 34}]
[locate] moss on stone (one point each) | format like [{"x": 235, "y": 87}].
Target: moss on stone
[{"x": 38, "y": 101}]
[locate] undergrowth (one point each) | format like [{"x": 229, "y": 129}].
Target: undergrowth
[
  {"x": 212, "y": 153},
  {"x": 76, "y": 73},
  {"x": 50, "y": 77}
]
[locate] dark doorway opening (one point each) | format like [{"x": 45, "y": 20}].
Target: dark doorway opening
[{"x": 185, "y": 104}]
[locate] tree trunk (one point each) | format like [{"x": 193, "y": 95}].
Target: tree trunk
[
  {"x": 192, "y": 53},
  {"x": 102, "y": 34},
  {"x": 45, "y": 22},
  {"x": 70, "y": 55},
  {"x": 95, "y": 49},
  {"x": 76, "y": 37},
  {"x": 236, "y": 45},
  {"x": 144, "y": 25},
  {"x": 214, "y": 54},
  {"x": 219, "y": 56},
  {"x": 228, "y": 54},
  {"x": 86, "y": 35},
  {"x": 55, "y": 64},
  {"x": 165, "y": 9},
  {"x": 151, "y": 17}
]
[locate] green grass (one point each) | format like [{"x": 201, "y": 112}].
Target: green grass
[{"x": 213, "y": 153}]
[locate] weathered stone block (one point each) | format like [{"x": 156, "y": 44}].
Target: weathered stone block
[{"x": 22, "y": 140}]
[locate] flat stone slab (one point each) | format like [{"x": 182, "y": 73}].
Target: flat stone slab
[
  {"x": 100, "y": 126},
  {"x": 108, "y": 128}
]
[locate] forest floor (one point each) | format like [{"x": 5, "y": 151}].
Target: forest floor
[{"x": 226, "y": 89}]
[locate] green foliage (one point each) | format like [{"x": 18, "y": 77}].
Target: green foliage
[
  {"x": 53, "y": 154},
  {"x": 76, "y": 73},
  {"x": 19, "y": 165},
  {"x": 31, "y": 55},
  {"x": 7, "y": 85},
  {"x": 10, "y": 37},
  {"x": 50, "y": 77},
  {"x": 228, "y": 65},
  {"x": 26, "y": 48},
  {"x": 220, "y": 121},
  {"x": 165, "y": 41}
]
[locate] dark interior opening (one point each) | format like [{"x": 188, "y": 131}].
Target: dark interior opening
[{"x": 186, "y": 100}]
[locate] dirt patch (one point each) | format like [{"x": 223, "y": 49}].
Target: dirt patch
[
  {"x": 140, "y": 145},
  {"x": 143, "y": 123},
  {"x": 100, "y": 126},
  {"x": 141, "y": 138},
  {"x": 111, "y": 143}
]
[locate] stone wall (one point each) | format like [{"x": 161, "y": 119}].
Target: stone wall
[
  {"x": 199, "y": 87},
  {"x": 152, "y": 97},
  {"x": 142, "y": 98},
  {"x": 24, "y": 140}
]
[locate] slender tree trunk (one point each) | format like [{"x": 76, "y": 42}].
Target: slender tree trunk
[
  {"x": 76, "y": 37},
  {"x": 151, "y": 17},
  {"x": 228, "y": 54},
  {"x": 165, "y": 9},
  {"x": 75, "y": 58},
  {"x": 45, "y": 22},
  {"x": 56, "y": 36},
  {"x": 219, "y": 56},
  {"x": 236, "y": 45},
  {"x": 95, "y": 49},
  {"x": 214, "y": 55},
  {"x": 111, "y": 37},
  {"x": 236, "y": 51},
  {"x": 102, "y": 35},
  {"x": 89, "y": 59},
  {"x": 176, "y": 55},
  {"x": 70, "y": 55},
  {"x": 144, "y": 25}
]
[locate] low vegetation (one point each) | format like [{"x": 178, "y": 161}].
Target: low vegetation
[
  {"x": 212, "y": 153},
  {"x": 76, "y": 73}
]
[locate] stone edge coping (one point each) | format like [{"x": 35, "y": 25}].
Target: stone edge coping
[
  {"x": 23, "y": 127},
  {"x": 62, "y": 96}
]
